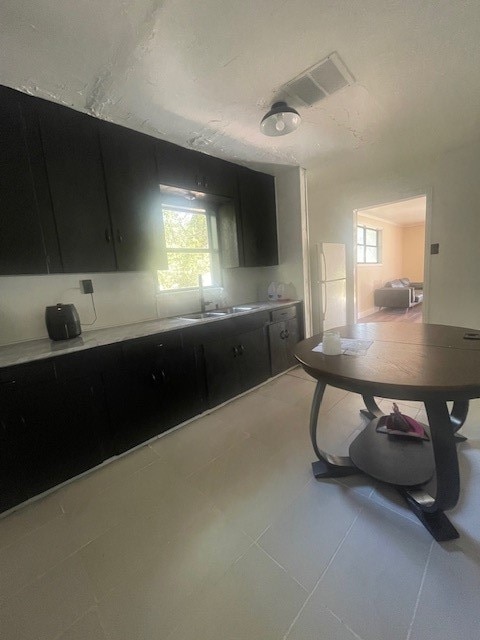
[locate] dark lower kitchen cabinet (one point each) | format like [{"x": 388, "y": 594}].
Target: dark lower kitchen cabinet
[
  {"x": 26, "y": 221},
  {"x": 55, "y": 429},
  {"x": 75, "y": 173},
  {"x": 235, "y": 364},
  {"x": 155, "y": 388},
  {"x": 283, "y": 335},
  {"x": 133, "y": 198}
]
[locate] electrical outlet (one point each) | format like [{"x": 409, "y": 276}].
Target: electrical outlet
[
  {"x": 86, "y": 286},
  {"x": 434, "y": 248}
]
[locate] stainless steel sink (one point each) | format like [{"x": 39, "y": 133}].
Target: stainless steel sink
[
  {"x": 218, "y": 313},
  {"x": 201, "y": 316}
]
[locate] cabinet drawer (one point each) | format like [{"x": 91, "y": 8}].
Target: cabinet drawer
[
  {"x": 283, "y": 314},
  {"x": 41, "y": 371},
  {"x": 85, "y": 363}
]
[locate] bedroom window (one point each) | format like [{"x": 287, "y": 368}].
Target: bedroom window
[
  {"x": 192, "y": 248},
  {"x": 368, "y": 245}
]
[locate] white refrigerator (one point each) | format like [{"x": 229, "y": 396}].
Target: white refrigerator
[{"x": 330, "y": 284}]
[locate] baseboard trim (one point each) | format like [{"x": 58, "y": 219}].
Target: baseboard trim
[{"x": 368, "y": 312}]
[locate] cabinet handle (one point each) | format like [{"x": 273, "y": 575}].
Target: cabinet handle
[
  {"x": 235, "y": 352},
  {"x": 287, "y": 335},
  {"x": 164, "y": 377},
  {"x": 241, "y": 349},
  {"x": 154, "y": 377},
  {"x": 119, "y": 236},
  {"x": 108, "y": 237},
  {"x": 282, "y": 335}
]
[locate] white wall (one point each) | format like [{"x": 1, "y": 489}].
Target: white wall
[
  {"x": 451, "y": 183},
  {"x": 124, "y": 298}
]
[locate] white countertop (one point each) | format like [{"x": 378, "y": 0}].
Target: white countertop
[{"x": 22, "y": 352}]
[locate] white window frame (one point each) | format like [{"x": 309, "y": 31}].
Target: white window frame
[
  {"x": 213, "y": 245},
  {"x": 377, "y": 246}
]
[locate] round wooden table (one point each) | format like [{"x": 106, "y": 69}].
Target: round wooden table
[{"x": 430, "y": 363}]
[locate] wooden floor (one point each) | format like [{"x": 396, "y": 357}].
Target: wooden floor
[{"x": 415, "y": 314}]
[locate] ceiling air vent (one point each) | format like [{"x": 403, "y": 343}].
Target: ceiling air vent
[{"x": 320, "y": 81}]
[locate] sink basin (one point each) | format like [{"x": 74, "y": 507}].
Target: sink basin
[
  {"x": 201, "y": 316},
  {"x": 217, "y": 313}
]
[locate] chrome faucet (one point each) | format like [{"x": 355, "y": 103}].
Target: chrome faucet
[{"x": 203, "y": 302}]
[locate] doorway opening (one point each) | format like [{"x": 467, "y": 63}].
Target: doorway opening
[{"x": 390, "y": 261}]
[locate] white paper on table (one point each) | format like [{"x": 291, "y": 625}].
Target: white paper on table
[{"x": 350, "y": 346}]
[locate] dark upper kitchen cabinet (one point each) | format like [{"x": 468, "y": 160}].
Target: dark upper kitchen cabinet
[
  {"x": 258, "y": 219},
  {"x": 248, "y": 228},
  {"x": 188, "y": 169},
  {"x": 27, "y": 234},
  {"x": 75, "y": 173},
  {"x": 133, "y": 198}
]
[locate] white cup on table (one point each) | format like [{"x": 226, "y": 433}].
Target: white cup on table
[{"x": 331, "y": 345}]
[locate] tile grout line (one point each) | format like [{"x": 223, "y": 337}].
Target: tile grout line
[
  {"x": 281, "y": 567},
  {"x": 89, "y": 610},
  {"x": 419, "y": 594},
  {"x": 285, "y": 637},
  {"x": 344, "y": 624}
]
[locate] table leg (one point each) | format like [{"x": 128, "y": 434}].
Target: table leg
[
  {"x": 373, "y": 410},
  {"x": 458, "y": 416},
  {"x": 327, "y": 465},
  {"x": 428, "y": 509}
]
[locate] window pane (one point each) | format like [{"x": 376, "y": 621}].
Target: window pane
[
  {"x": 371, "y": 237},
  {"x": 360, "y": 254},
  {"x": 360, "y": 235},
  {"x": 371, "y": 254},
  {"x": 183, "y": 270},
  {"x": 185, "y": 229}
]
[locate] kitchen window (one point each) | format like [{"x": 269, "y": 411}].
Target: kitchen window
[
  {"x": 368, "y": 245},
  {"x": 192, "y": 248}
]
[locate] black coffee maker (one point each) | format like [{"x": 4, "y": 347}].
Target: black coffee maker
[{"x": 63, "y": 322}]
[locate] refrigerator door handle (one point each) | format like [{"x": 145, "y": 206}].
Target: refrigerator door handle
[
  {"x": 317, "y": 263},
  {"x": 324, "y": 267},
  {"x": 324, "y": 300}
]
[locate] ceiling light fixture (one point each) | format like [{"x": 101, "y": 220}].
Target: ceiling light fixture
[{"x": 280, "y": 120}]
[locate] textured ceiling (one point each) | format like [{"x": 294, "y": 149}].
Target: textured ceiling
[
  {"x": 404, "y": 213},
  {"x": 203, "y": 74}
]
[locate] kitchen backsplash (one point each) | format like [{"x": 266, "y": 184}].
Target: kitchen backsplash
[{"x": 120, "y": 298}]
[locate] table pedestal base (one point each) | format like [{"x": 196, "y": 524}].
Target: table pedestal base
[
  {"x": 443, "y": 433},
  {"x": 323, "y": 469},
  {"x": 436, "y": 523}
]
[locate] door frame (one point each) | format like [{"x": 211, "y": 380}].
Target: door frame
[{"x": 427, "y": 193}]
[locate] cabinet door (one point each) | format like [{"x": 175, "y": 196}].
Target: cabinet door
[
  {"x": 133, "y": 198},
  {"x": 278, "y": 347},
  {"x": 22, "y": 248},
  {"x": 253, "y": 360},
  {"x": 75, "y": 174},
  {"x": 12, "y": 485},
  {"x": 223, "y": 376},
  {"x": 217, "y": 176},
  {"x": 155, "y": 389},
  {"x": 292, "y": 338},
  {"x": 177, "y": 167},
  {"x": 258, "y": 218}
]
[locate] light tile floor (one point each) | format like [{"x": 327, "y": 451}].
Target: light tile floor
[{"x": 218, "y": 531}]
